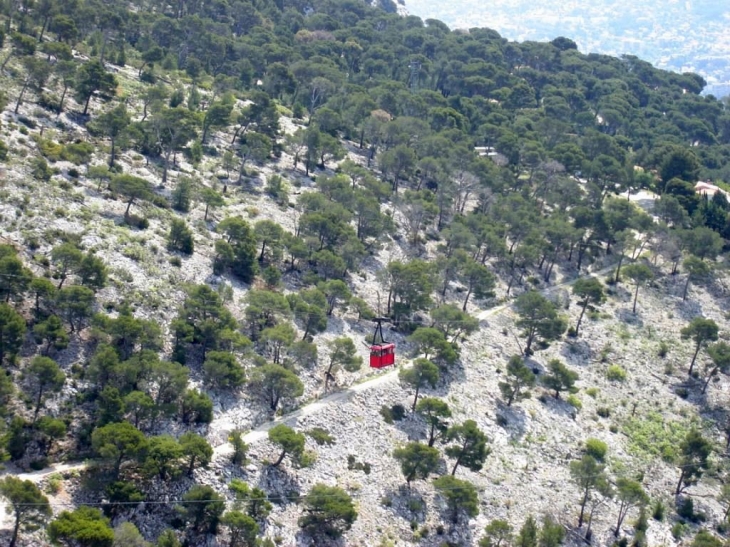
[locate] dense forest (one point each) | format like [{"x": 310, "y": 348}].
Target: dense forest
[{"x": 204, "y": 206}]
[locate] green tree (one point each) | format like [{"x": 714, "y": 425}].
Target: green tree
[
  {"x": 433, "y": 345},
  {"x": 694, "y": 453},
  {"x": 561, "y": 378},
  {"x": 328, "y": 511},
  {"x": 43, "y": 291},
  {"x": 139, "y": 407},
  {"x": 243, "y": 529},
  {"x": 161, "y": 457},
  {"x": 112, "y": 125},
  {"x": 706, "y": 539},
  {"x": 133, "y": 188},
  {"x": 173, "y": 128},
  {"x": 196, "y": 450},
  {"x": 182, "y": 195},
  {"x": 422, "y": 373},
  {"x": 470, "y": 449},
  {"x": 242, "y": 240},
  {"x": 520, "y": 379},
  {"x": 336, "y": 292},
  {"x": 36, "y": 74},
  {"x": 21, "y": 45},
  {"x": 14, "y": 277},
  {"x": 26, "y": 503},
  {"x": 202, "y": 507},
  {"x": 117, "y": 442},
  {"x": 539, "y": 319},
  {"x": 168, "y": 539},
  {"x": 696, "y": 268},
  {"x": 217, "y": 116},
  {"x": 43, "y": 376},
  {"x": 253, "y": 499},
  {"x": 274, "y": 383},
  {"x": 478, "y": 280},
  {"x": 82, "y": 527},
  {"x": 277, "y": 338},
  {"x": 212, "y": 199},
  {"x": 701, "y": 331},
  {"x": 417, "y": 461},
  {"x": 92, "y": 272},
  {"x": 67, "y": 259},
  {"x": 590, "y": 477},
  {"x": 289, "y": 441},
  {"x": 223, "y": 371},
  {"x": 12, "y": 332},
  {"x": 552, "y": 533},
  {"x": 630, "y": 494},
  {"x": 342, "y": 354},
  {"x": 180, "y": 237},
  {"x": 435, "y": 412},
  {"x": 461, "y": 496},
  {"x": 590, "y": 292},
  {"x": 93, "y": 78},
  {"x": 528, "y": 533},
  {"x": 196, "y": 407},
  {"x": 65, "y": 71},
  {"x": 310, "y": 310},
  {"x": 720, "y": 355},
  {"x": 50, "y": 429},
  {"x": 75, "y": 303},
  {"x": 497, "y": 533},
  {"x": 127, "y": 535},
  {"x": 639, "y": 274}
]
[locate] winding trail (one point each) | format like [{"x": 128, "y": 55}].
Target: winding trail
[{"x": 261, "y": 432}]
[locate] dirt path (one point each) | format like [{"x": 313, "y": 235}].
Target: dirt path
[{"x": 261, "y": 432}]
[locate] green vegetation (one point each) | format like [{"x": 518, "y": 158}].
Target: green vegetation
[
  {"x": 654, "y": 436},
  {"x": 207, "y": 202}
]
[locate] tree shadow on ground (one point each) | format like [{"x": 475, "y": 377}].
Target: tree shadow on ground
[
  {"x": 626, "y": 315},
  {"x": 512, "y": 419},
  {"x": 406, "y": 503},
  {"x": 558, "y": 406},
  {"x": 304, "y": 539},
  {"x": 577, "y": 352},
  {"x": 688, "y": 309},
  {"x": 281, "y": 486}
]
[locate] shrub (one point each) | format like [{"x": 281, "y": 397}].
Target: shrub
[
  {"x": 592, "y": 392},
  {"x": 398, "y": 412},
  {"x": 653, "y": 436},
  {"x": 663, "y": 349},
  {"x": 41, "y": 170},
  {"x": 321, "y": 436},
  {"x": 180, "y": 237},
  {"x": 596, "y": 448},
  {"x": 387, "y": 414},
  {"x": 3, "y": 151},
  {"x": 603, "y": 412},
  {"x": 134, "y": 221},
  {"x": 615, "y": 373},
  {"x": 678, "y": 530},
  {"x": 658, "y": 510},
  {"x": 574, "y": 401},
  {"x": 77, "y": 153}
]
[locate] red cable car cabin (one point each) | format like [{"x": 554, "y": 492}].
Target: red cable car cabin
[{"x": 382, "y": 355}]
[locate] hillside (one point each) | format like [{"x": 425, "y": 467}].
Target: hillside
[
  {"x": 206, "y": 205},
  {"x": 678, "y": 36}
]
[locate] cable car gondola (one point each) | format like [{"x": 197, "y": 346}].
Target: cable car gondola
[{"x": 382, "y": 354}]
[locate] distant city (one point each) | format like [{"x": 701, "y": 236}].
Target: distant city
[{"x": 679, "y": 35}]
